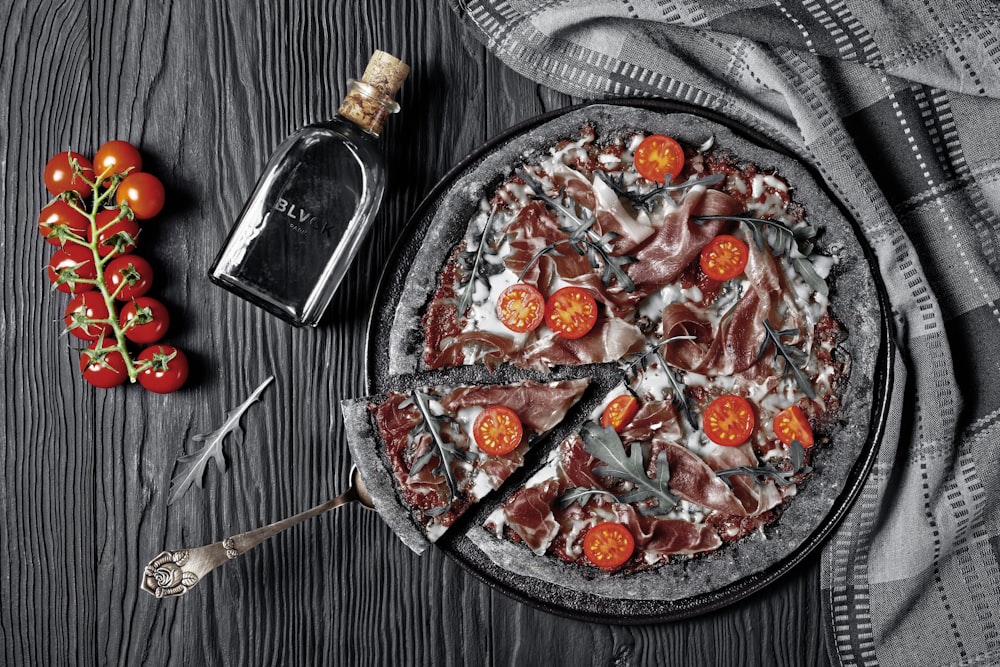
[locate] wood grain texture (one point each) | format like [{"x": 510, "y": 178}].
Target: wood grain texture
[{"x": 208, "y": 90}]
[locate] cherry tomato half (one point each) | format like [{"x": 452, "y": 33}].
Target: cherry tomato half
[
  {"x": 144, "y": 320},
  {"x": 791, "y": 424},
  {"x": 60, "y": 176},
  {"x": 659, "y": 156},
  {"x": 728, "y": 420},
  {"x": 725, "y": 257},
  {"x": 115, "y": 237},
  {"x": 608, "y": 545},
  {"x": 71, "y": 263},
  {"x": 81, "y": 312},
  {"x": 497, "y": 430},
  {"x": 103, "y": 369},
  {"x": 128, "y": 276},
  {"x": 166, "y": 370},
  {"x": 117, "y": 157},
  {"x": 144, "y": 194},
  {"x": 521, "y": 308},
  {"x": 59, "y": 219},
  {"x": 619, "y": 412},
  {"x": 571, "y": 312}
]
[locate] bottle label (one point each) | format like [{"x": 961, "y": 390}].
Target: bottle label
[{"x": 300, "y": 219}]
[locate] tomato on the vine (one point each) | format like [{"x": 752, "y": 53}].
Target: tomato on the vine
[
  {"x": 81, "y": 313},
  {"x": 729, "y": 420},
  {"x": 163, "y": 369},
  {"x": 659, "y": 156},
  {"x": 57, "y": 220},
  {"x": 497, "y": 430},
  {"x": 115, "y": 237},
  {"x": 521, "y": 308},
  {"x": 60, "y": 176},
  {"x": 144, "y": 194},
  {"x": 128, "y": 276},
  {"x": 619, "y": 412},
  {"x": 102, "y": 365},
  {"x": 608, "y": 545},
  {"x": 791, "y": 424},
  {"x": 144, "y": 320},
  {"x": 71, "y": 264},
  {"x": 571, "y": 312},
  {"x": 117, "y": 157}
]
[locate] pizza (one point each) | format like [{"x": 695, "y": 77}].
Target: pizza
[
  {"x": 698, "y": 289},
  {"x": 445, "y": 448}
]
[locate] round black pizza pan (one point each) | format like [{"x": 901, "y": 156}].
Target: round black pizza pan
[{"x": 601, "y": 608}]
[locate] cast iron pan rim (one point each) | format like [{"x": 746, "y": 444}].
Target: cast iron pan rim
[{"x": 673, "y": 610}]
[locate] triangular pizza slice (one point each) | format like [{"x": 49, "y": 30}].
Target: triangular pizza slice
[{"x": 428, "y": 455}]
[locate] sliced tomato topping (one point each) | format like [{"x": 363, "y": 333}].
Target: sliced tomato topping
[
  {"x": 608, "y": 545},
  {"x": 725, "y": 257},
  {"x": 728, "y": 420},
  {"x": 620, "y": 412},
  {"x": 521, "y": 308},
  {"x": 497, "y": 430},
  {"x": 659, "y": 156},
  {"x": 791, "y": 424},
  {"x": 571, "y": 312}
]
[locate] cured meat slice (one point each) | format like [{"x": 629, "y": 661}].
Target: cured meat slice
[{"x": 420, "y": 453}]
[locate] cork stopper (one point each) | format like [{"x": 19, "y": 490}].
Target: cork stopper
[{"x": 370, "y": 101}]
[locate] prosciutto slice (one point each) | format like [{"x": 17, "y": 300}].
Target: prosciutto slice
[{"x": 679, "y": 240}]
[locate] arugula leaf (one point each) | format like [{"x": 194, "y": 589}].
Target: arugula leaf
[
  {"x": 191, "y": 467},
  {"x": 581, "y": 495},
  {"x": 790, "y": 356},
  {"x": 606, "y": 445},
  {"x": 767, "y": 470}
]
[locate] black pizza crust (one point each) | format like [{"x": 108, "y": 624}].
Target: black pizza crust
[{"x": 683, "y": 586}]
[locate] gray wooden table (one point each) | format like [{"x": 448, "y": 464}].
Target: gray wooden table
[{"x": 207, "y": 90}]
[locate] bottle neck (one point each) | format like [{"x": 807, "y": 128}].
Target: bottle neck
[{"x": 366, "y": 106}]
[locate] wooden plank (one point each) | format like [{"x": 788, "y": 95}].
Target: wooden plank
[
  {"x": 207, "y": 90},
  {"x": 47, "y": 454}
]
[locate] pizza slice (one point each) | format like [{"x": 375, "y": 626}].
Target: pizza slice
[{"x": 428, "y": 455}]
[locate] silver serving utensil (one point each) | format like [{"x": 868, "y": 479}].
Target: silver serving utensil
[{"x": 174, "y": 573}]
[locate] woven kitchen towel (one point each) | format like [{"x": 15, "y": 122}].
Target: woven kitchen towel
[{"x": 896, "y": 103}]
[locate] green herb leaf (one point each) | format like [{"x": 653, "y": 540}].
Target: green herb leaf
[
  {"x": 790, "y": 356},
  {"x": 767, "y": 470},
  {"x": 474, "y": 268},
  {"x": 580, "y": 495},
  {"x": 606, "y": 445},
  {"x": 429, "y": 425}
]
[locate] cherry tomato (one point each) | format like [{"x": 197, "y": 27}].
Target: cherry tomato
[
  {"x": 619, "y": 412},
  {"x": 728, "y": 420},
  {"x": 497, "y": 430},
  {"x": 791, "y": 424},
  {"x": 167, "y": 370},
  {"x": 115, "y": 237},
  {"x": 144, "y": 320},
  {"x": 80, "y": 313},
  {"x": 144, "y": 194},
  {"x": 657, "y": 157},
  {"x": 60, "y": 176},
  {"x": 608, "y": 545},
  {"x": 521, "y": 308},
  {"x": 128, "y": 276},
  {"x": 59, "y": 219},
  {"x": 725, "y": 257},
  {"x": 571, "y": 312},
  {"x": 103, "y": 369},
  {"x": 69, "y": 264},
  {"x": 117, "y": 157}
]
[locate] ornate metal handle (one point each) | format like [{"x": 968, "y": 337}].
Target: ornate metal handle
[{"x": 174, "y": 573}]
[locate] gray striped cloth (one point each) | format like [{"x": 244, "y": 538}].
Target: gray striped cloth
[{"x": 896, "y": 103}]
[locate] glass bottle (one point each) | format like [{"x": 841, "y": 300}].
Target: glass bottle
[{"x": 309, "y": 212}]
